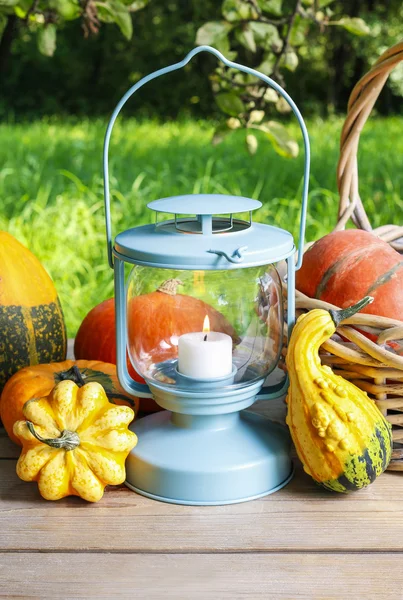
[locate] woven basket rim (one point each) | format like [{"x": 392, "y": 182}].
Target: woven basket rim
[
  {"x": 371, "y": 364},
  {"x": 360, "y": 104}
]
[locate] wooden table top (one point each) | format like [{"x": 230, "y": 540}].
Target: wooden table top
[{"x": 299, "y": 543}]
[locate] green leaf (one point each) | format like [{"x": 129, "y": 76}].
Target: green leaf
[
  {"x": 137, "y": 5},
  {"x": 46, "y": 39},
  {"x": 229, "y": 11},
  {"x": 123, "y": 18},
  {"x": 230, "y": 103},
  {"x": 67, "y": 9},
  {"x": 266, "y": 66},
  {"x": 243, "y": 78},
  {"x": 8, "y": 3},
  {"x": 299, "y": 31},
  {"x": 105, "y": 12},
  {"x": 17, "y": 11},
  {"x": 282, "y": 142},
  {"x": 214, "y": 33},
  {"x": 22, "y": 8},
  {"x": 266, "y": 36},
  {"x": 115, "y": 11},
  {"x": 104, "y": 15},
  {"x": 238, "y": 10},
  {"x": 323, "y": 3},
  {"x": 354, "y": 25},
  {"x": 25, "y": 5},
  {"x": 273, "y": 7},
  {"x": 289, "y": 60},
  {"x": 246, "y": 38},
  {"x": 251, "y": 143}
]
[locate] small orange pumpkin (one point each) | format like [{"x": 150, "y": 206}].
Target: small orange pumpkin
[{"x": 39, "y": 380}]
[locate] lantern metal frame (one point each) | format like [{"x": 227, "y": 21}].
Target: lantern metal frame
[{"x": 208, "y": 421}]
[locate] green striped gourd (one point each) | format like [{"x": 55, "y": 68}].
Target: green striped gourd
[
  {"x": 341, "y": 438},
  {"x": 31, "y": 319}
]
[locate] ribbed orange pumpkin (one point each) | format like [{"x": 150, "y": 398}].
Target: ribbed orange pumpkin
[
  {"x": 96, "y": 340},
  {"x": 344, "y": 266},
  {"x": 96, "y": 337},
  {"x": 151, "y": 318},
  {"x": 31, "y": 319},
  {"x": 38, "y": 381},
  {"x": 156, "y": 318}
]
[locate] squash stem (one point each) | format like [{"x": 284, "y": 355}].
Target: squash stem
[
  {"x": 69, "y": 440},
  {"x": 170, "y": 286},
  {"x": 72, "y": 374},
  {"x": 345, "y": 313}
]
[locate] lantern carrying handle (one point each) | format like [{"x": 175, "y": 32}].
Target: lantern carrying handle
[{"x": 232, "y": 65}]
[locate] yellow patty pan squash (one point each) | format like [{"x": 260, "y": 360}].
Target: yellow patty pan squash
[{"x": 74, "y": 442}]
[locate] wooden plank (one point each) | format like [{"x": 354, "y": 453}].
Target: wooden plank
[
  {"x": 201, "y": 577},
  {"x": 300, "y": 517},
  {"x": 7, "y": 448}
]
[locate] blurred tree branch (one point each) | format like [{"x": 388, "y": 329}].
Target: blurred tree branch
[
  {"x": 268, "y": 35},
  {"x": 44, "y": 17}
]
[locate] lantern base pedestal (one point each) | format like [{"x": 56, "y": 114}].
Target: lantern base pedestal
[{"x": 208, "y": 459}]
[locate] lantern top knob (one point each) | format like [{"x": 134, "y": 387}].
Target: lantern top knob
[{"x": 204, "y": 204}]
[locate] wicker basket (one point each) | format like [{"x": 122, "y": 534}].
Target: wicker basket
[{"x": 374, "y": 366}]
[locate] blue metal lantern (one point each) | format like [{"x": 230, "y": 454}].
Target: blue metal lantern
[{"x": 204, "y": 369}]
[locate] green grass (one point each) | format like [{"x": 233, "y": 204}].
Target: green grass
[{"x": 52, "y": 196}]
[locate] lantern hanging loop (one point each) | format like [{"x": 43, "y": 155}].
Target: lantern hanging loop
[{"x": 270, "y": 82}]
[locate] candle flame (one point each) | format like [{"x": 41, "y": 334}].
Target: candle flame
[{"x": 206, "y": 324}]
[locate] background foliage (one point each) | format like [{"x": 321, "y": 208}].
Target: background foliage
[
  {"x": 52, "y": 194},
  {"x": 87, "y": 75}
]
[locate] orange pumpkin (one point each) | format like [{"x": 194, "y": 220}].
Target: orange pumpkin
[
  {"x": 157, "y": 319},
  {"x": 151, "y": 319},
  {"x": 38, "y": 381},
  {"x": 96, "y": 340},
  {"x": 32, "y": 328},
  {"x": 96, "y": 337},
  {"x": 345, "y": 266}
]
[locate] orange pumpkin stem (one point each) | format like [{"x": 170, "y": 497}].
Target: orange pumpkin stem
[
  {"x": 73, "y": 374},
  {"x": 170, "y": 286}
]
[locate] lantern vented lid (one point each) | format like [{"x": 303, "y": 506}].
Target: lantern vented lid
[
  {"x": 204, "y": 235},
  {"x": 204, "y": 204}
]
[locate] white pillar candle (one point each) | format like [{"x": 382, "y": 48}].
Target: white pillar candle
[{"x": 204, "y": 355}]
